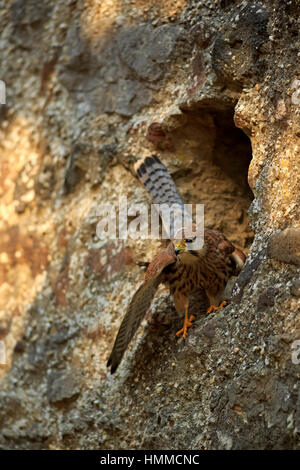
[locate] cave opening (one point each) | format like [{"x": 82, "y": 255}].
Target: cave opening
[{"x": 216, "y": 156}]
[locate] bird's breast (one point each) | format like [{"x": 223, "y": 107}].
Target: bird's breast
[{"x": 211, "y": 275}]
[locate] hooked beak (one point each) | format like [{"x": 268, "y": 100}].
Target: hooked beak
[{"x": 178, "y": 249}]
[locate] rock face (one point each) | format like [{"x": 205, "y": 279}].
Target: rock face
[{"x": 214, "y": 89}]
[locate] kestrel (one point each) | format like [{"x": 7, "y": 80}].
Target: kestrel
[{"x": 180, "y": 266}]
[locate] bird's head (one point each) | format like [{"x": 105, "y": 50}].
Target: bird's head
[{"x": 189, "y": 246}]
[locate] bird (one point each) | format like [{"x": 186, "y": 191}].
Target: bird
[{"x": 181, "y": 266}]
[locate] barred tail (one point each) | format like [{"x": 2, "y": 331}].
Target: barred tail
[
  {"x": 162, "y": 190},
  {"x": 157, "y": 181}
]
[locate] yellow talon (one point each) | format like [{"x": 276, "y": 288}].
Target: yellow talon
[
  {"x": 187, "y": 323},
  {"x": 212, "y": 307}
]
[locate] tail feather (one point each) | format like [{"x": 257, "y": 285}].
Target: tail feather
[
  {"x": 157, "y": 181},
  {"x": 161, "y": 189}
]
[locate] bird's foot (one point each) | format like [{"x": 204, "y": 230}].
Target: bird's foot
[
  {"x": 212, "y": 308},
  {"x": 186, "y": 325}
]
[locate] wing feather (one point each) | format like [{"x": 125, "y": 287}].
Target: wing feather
[{"x": 139, "y": 305}]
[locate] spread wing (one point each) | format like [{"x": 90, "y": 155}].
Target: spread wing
[
  {"x": 219, "y": 242},
  {"x": 225, "y": 248},
  {"x": 139, "y": 305}
]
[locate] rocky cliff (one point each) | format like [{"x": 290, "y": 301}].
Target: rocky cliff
[{"x": 213, "y": 87}]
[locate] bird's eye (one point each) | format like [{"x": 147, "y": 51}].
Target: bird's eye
[{"x": 189, "y": 240}]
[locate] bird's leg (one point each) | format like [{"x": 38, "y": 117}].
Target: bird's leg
[
  {"x": 212, "y": 307},
  {"x": 186, "y": 324}
]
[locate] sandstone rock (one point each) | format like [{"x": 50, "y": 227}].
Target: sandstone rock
[
  {"x": 295, "y": 288},
  {"x": 62, "y": 386},
  {"x": 236, "y": 52},
  {"x": 146, "y": 50},
  {"x": 89, "y": 91},
  {"x": 267, "y": 299},
  {"x": 285, "y": 246}
]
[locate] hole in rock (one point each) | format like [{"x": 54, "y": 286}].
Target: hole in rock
[{"x": 215, "y": 157}]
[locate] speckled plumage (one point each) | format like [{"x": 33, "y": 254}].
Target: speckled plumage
[{"x": 184, "y": 272}]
